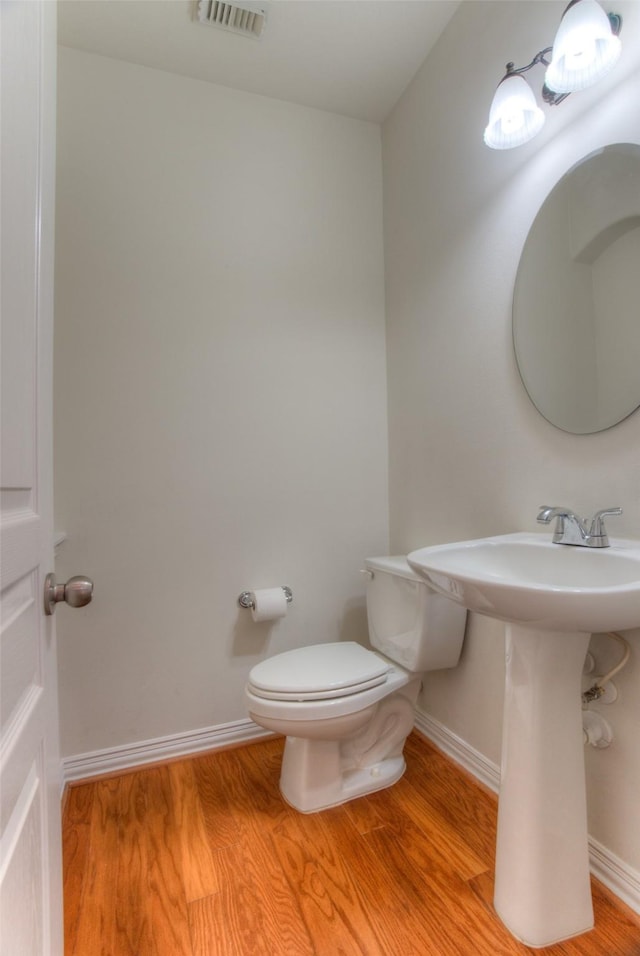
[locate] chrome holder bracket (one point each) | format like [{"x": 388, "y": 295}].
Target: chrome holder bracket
[{"x": 246, "y": 598}]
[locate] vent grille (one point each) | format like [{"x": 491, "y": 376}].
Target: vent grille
[{"x": 247, "y": 19}]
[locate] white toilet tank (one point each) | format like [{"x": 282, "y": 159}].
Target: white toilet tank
[{"x": 408, "y": 622}]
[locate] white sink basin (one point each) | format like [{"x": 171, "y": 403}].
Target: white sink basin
[
  {"x": 552, "y": 597},
  {"x": 525, "y": 579}
]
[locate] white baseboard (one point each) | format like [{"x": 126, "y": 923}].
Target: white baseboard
[
  {"x": 118, "y": 759},
  {"x": 609, "y": 869},
  {"x": 459, "y": 750},
  {"x": 617, "y": 875}
]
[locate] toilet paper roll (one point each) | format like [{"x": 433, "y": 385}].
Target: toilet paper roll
[{"x": 269, "y": 604}]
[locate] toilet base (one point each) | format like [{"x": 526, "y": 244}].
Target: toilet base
[
  {"x": 325, "y": 784},
  {"x": 317, "y": 774},
  {"x": 329, "y": 761}
]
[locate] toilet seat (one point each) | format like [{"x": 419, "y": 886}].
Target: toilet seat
[{"x": 318, "y": 672}]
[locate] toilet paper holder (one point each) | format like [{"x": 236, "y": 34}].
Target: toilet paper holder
[{"x": 246, "y": 598}]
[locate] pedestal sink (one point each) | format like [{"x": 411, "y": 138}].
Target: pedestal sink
[{"x": 553, "y": 597}]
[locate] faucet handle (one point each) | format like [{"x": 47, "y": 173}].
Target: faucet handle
[{"x": 598, "y": 529}]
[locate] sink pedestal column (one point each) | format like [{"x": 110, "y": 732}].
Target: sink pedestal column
[{"x": 542, "y": 890}]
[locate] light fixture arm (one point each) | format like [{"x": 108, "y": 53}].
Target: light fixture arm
[
  {"x": 553, "y": 99},
  {"x": 538, "y": 58}
]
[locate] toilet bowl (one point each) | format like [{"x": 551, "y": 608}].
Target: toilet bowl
[{"x": 346, "y": 711}]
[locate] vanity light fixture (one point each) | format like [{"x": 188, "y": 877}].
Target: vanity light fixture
[{"x": 586, "y": 47}]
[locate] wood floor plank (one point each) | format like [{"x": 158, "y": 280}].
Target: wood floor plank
[
  {"x": 334, "y": 910},
  {"x": 211, "y": 776},
  {"x": 443, "y": 842},
  {"x": 254, "y": 797},
  {"x": 367, "y": 813},
  {"x": 134, "y": 901},
  {"x": 615, "y": 923},
  {"x": 466, "y": 805},
  {"x": 95, "y": 927},
  {"x": 397, "y": 909},
  {"x": 199, "y": 875},
  {"x": 254, "y": 892},
  {"x": 76, "y": 844},
  {"x": 457, "y": 920},
  {"x": 255, "y": 911}
]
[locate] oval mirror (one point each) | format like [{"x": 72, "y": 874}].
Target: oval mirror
[{"x": 576, "y": 307}]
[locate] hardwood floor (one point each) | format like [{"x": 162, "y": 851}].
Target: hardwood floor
[{"x": 202, "y": 857}]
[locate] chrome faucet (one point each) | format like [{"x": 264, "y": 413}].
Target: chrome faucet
[{"x": 571, "y": 529}]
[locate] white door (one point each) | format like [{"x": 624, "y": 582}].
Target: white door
[{"x": 30, "y": 857}]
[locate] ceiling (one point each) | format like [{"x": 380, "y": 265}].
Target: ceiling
[{"x": 353, "y": 57}]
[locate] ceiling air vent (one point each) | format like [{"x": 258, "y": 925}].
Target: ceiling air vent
[{"x": 245, "y": 18}]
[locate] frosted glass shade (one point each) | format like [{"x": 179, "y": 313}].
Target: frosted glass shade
[
  {"x": 584, "y": 49},
  {"x": 515, "y": 117}
]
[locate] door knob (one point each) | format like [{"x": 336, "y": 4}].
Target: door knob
[{"x": 76, "y": 592}]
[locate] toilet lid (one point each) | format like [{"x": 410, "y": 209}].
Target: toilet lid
[{"x": 318, "y": 672}]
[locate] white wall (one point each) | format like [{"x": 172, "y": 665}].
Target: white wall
[
  {"x": 469, "y": 454},
  {"x": 220, "y": 395}
]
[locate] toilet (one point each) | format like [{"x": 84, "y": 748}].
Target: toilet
[{"x": 346, "y": 711}]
